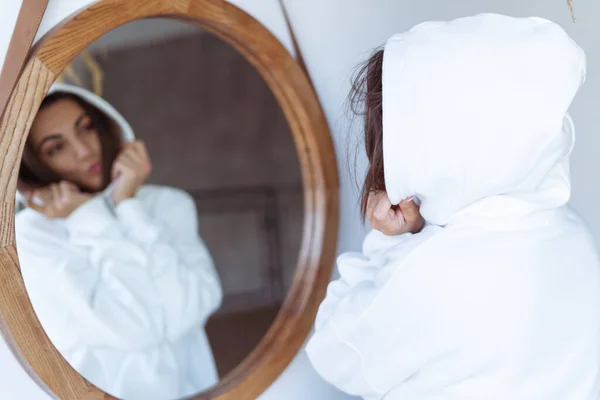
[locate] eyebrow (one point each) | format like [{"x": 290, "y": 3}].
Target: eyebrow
[{"x": 56, "y": 136}]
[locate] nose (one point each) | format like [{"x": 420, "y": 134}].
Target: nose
[{"x": 82, "y": 149}]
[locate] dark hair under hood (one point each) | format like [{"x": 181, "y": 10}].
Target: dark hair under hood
[{"x": 98, "y": 103}]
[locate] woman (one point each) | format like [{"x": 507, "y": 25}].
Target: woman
[
  {"x": 115, "y": 270},
  {"x": 498, "y": 296}
]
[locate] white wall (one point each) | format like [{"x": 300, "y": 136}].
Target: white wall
[{"x": 334, "y": 35}]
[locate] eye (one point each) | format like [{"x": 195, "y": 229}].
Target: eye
[
  {"x": 53, "y": 150},
  {"x": 86, "y": 125}
]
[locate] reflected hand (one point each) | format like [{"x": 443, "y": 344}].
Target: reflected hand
[
  {"x": 59, "y": 200},
  {"x": 130, "y": 170},
  {"x": 393, "y": 220}
]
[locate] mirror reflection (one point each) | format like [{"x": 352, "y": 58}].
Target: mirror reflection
[{"x": 159, "y": 212}]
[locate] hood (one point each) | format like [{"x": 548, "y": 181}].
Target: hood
[
  {"x": 98, "y": 102},
  {"x": 126, "y": 131},
  {"x": 475, "y": 115}
]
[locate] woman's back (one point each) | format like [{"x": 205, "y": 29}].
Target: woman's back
[
  {"x": 517, "y": 312},
  {"x": 513, "y": 314},
  {"x": 498, "y": 297}
]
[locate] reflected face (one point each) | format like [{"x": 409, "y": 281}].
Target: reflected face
[{"x": 65, "y": 140}]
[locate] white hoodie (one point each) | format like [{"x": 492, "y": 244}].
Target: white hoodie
[
  {"x": 499, "y": 296},
  {"x": 124, "y": 292}
]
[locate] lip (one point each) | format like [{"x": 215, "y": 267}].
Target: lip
[{"x": 95, "y": 169}]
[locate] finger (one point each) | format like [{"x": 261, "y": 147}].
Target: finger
[
  {"x": 385, "y": 218},
  {"x": 66, "y": 186},
  {"x": 126, "y": 168},
  {"x": 394, "y": 224},
  {"x": 30, "y": 202},
  {"x": 44, "y": 194},
  {"x": 55, "y": 192},
  {"x": 132, "y": 153},
  {"x": 115, "y": 171},
  {"x": 36, "y": 207},
  {"x": 57, "y": 198},
  {"x": 410, "y": 210},
  {"x": 62, "y": 191},
  {"x": 144, "y": 156},
  {"x": 391, "y": 226},
  {"x": 129, "y": 163},
  {"x": 382, "y": 208},
  {"x": 130, "y": 158},
  {"x": 123, "y": 161},
  {"x": 67, "y": 190},
  {"x": 137, "y": 147},
  {"x": 143, "y": 150},
  {"x": 139, "y": 159},
  {"x": 41, "y": 201},
  {"x": 372, "y": 201},
  {"x": 126, "y": 148},
  {"x": 119, "y": 168},
  {"x": 399, "y": 219}
]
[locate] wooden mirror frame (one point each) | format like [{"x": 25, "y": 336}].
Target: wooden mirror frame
[{"x": 18, "y": 322}]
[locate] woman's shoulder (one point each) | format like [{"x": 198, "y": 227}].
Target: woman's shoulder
[
  {"x": 28, "y": 218},
  {"x": 33, "y": 227},
  {"x": 164, "y": 192},
  {"x": 158, "y": 197}
]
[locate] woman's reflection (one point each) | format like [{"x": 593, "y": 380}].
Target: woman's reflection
[{"x": 115, "y": 269}]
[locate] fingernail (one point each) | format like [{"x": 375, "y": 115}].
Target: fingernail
[{"x": 411, "y": 198}]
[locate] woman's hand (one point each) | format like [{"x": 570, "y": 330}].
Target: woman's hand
[
  {"x": 130, "y": 170},
  {"x": 59, "y": 200},
  {"x": 393, "y": 220}
]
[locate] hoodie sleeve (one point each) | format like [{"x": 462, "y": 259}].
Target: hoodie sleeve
[
  {"x": 97, "y": 293},
  {"x": 183, "y": 269},
  {"x": 348, "y": 348}
]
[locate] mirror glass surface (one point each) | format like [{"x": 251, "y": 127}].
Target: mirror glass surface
[{"x": 160, "y": 210}]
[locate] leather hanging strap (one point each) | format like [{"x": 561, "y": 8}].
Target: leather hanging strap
[
  {"x": 299, "y": 57},
  {"x": 28, "y": 22}
]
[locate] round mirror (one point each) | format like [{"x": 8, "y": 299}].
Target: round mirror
[
  {"x": 162, "y": 211},
  {"x": 176, "y": 213}
]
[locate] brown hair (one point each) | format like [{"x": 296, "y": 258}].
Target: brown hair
[
  {"x": 365, "y": 100},
  {"x": 34, "y": 174}
]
